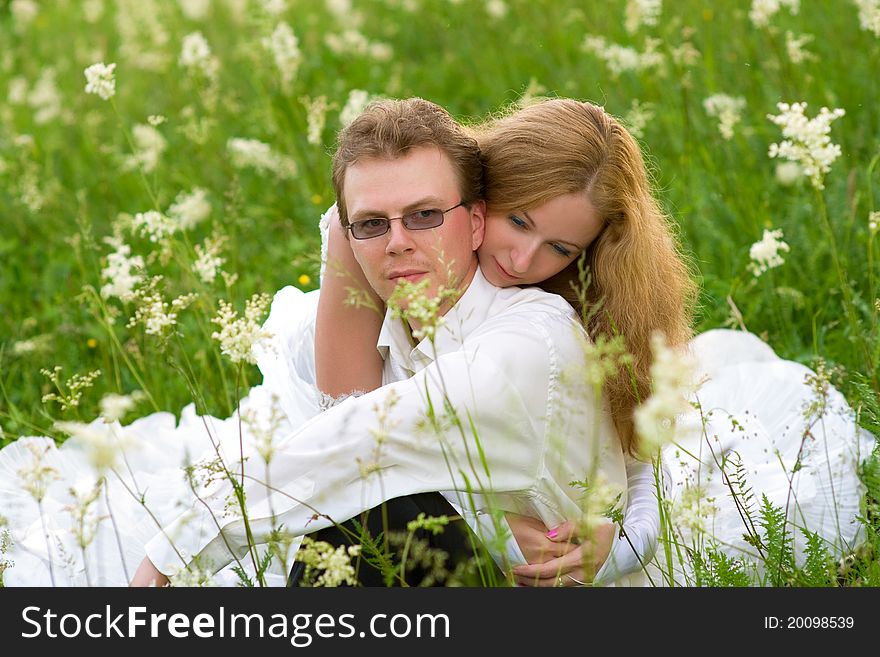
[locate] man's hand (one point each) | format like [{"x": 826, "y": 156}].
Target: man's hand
[
  {"x": 147, "y": 575},
  {"x": 558, "y": 557}
]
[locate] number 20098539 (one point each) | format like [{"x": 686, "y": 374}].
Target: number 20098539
[{"x": 808, "y": 622}]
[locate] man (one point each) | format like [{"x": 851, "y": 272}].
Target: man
[{"x": 488, "y": 404}]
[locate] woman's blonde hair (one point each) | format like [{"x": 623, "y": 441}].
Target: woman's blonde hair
[{"x": 640, "y": 281}]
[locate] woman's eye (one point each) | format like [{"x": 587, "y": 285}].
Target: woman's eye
[
  {"x": 516, "y": 221},
  {"x": 561, "y": 250}
]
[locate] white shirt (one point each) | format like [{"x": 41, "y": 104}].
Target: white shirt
[{"x": 506, "y": 360}]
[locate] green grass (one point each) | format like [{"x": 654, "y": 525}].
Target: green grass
[{"x": 63, "y": 187}]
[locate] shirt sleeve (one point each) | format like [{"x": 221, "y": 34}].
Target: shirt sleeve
[
  {"x": 459, "y": 424},
  {"x": 636, "y": 544}
]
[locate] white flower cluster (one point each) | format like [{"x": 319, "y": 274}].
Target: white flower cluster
[
  {"x": 100, "y": 80},
  {"x": 767, "y": 253},
  {"x": 358, "y": 99},
  {"x": 727, "y": 109},
  {"x": 153, "y": 224},
  {"x": 692, "y": 508},
  {"x": 196, "y": 57},
  {"x": 239, "y": 335},
  {"x": 763, "y": 10},
  {"x": 316, "y": 117},
  {"x": 638, "y": 117},
  {"x": 806, "y": 140},
  {"x": 620, "y": 59},
  {"x": 259, "y": 155},
  {"x": 333, "y": 564},
  {"x": 869, "y": 15},
  {"x": 44, "y": 98},
  {"x": 23, "y": 13},
  {"x": 794, "y": 46},
  {"x": 874, "y": 222},
  {"x": 149, "y": 145},
  {"x": 154, "y": 313},
  {"x": 122, "y": 273},
  {"x": 103, "y": 444},
  {"x": 354, "y": 43},
  {"x": 284, "y": 47},
  {"x": 496, "y": 8},
  {"x": 114, "y": 406},
  {"x": 642, "y": 12},
  {"x": 208, "y": 260},
  {"x": 190, "y": 208},
  {"x": 195, "y": 10},
  {"x": 39, "y": 475},
  {"x": 672, "y": 376}
]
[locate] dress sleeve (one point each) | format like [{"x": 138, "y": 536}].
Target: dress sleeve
[{"x": 641, "y": 524}]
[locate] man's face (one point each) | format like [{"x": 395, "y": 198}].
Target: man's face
[{"x": 423, "y": 179}]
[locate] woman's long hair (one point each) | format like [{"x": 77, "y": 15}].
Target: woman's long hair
[{"x": 640, "y": 280}]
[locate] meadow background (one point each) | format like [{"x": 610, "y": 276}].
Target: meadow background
[{"x": 223, "y": 120}]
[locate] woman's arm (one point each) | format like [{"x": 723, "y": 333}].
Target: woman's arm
[{"x": 346, "y": 358}]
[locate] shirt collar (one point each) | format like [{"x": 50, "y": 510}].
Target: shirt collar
[{"x": 469, "y": 312}]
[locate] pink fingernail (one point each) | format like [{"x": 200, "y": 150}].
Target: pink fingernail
[{"x": 552, "y": 533}]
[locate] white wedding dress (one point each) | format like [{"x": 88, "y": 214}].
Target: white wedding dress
[{"x": 147, "y": 489}]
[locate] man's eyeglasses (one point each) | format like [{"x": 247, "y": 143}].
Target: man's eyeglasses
[{"x": 418, "y": 220}]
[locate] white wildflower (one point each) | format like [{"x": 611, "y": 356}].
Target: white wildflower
[
  {"x": 156, "y": 314},
  {"x": 794, "y": 46},
  {"x": 692, "y": 509},
  {"x": 284, "y": 47},
  {"x": 122, "y": 273},
  {"x": 195, "y": 55},
  {"x": 149, "y": 145},
  {"x": 208, "y": 260},
  {"x": 274, "y": 7},
  {"x": 44, "y": 97},
  {"x": 238, "y": 335},
  {"x": 788, "y": 173},
  {"x": 496, "y": 8},
  {"x": 257, "y": 154},
  {"x": 103, "y": 443},
  {"x": 874, "y": 222},
  {"x": 114, "y": 406},
  {"x": 195, "y": 10},
  {"x": 83, "y": 510},
  {"x": 686, "y": 55},
  {"x": 638, "y": 117},
  {"x": 642, "y": 12},
  {"x": 806, "y": 140},
  {"x": 672, "y": 376},
  {"x": 869, "y": 15},
  {"x": 17, "y": 90},
  {"x": 357, "y": 101},
  {"x": 23, "y": 12},
  {"x": 620, "y": 59},
  {"x": 32, "y": 345},
  {"x": 38, "y": 476},
  {"x": 763, "y": 10},
  {"x": 316, "y": 117},
  {"x": 156, "y": 120},
  {"x": 69, "y": 393},
  {"x": 332, "y": 564},
  {"x": 190, "y": 208},
  {"x": 727, "y": 109},
  {"x": 100, "y": 80},
  {"x": 153, "y": 224},
  {"x": 93, "y": 10},
  {"x": 766, "y": 254}
]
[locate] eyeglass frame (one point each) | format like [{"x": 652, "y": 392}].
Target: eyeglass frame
[{"x": 402, "y": 218}]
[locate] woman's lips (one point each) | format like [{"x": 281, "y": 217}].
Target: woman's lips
[{"x": 504, "y": 272}]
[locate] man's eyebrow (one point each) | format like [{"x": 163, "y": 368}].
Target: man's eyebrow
[
  {"x": 572, "y": 244},
  {"x": 425, "y": 203}
]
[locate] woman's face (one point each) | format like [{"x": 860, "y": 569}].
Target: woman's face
[{"x": 530, "y": 246}]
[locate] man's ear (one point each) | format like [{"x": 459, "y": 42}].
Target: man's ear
[{"x": 478, "y": 223}]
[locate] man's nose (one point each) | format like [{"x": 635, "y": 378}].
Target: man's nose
[{"x": 399, "y": 238}]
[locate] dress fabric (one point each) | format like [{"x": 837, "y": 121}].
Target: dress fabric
[{"x": 752, "y": 401}]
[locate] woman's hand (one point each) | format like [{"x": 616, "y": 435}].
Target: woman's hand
[
  {"x": 559, "y": 557},
  {"x": 148, "y": 575}
]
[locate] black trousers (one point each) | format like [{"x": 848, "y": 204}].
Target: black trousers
[{"x": 456, "y": 541}]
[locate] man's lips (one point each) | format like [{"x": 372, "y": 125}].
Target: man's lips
[
  {"x": 411, "y": 275},
  {"x": 504, "y": 272}
]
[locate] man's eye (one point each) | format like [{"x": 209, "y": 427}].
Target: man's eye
[
  {"x": 423, "y": 214},
  {"x": 373, "y": 223},
  {"x": 516, "y": 221}
]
